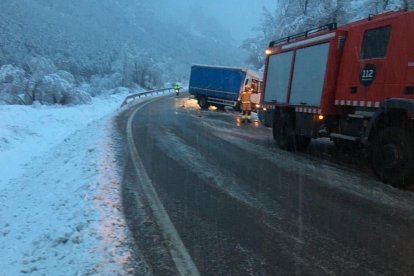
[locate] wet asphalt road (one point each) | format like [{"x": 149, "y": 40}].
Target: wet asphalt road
[{"x": 243, "y": 207}]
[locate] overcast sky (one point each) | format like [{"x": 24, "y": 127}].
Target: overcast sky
[{"x": 239, "y": 16}]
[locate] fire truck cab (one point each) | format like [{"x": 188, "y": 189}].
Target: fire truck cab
[{"x": 353, "y": 83}]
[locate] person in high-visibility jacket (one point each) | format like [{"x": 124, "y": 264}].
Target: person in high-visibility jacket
[
  {"x": 246, "y": 104},
  {"x": 177, "y": 88}
]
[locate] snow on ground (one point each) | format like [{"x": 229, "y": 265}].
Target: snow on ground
[{"x": 60, "y": 205}]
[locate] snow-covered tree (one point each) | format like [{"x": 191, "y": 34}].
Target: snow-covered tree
[
  {"x": 407, "y": 4},
  {"x": 13, "y": 83}
]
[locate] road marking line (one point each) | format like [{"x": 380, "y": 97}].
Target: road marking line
[{"x": 182, "y": 259}]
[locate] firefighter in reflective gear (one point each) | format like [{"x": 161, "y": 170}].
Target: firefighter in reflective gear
[
  {"x": 177, "y": 88},
  {"x": 246, "y": 104}
]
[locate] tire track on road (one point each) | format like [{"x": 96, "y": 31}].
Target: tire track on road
[{"x": 182, "y": 259}]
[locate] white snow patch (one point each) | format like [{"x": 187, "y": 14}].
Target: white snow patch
[
  {"x": 29, "y": 131},
  {"x": 60, "y": 198}
]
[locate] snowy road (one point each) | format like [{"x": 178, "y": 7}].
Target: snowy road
[{"x": 243, "y": 207}]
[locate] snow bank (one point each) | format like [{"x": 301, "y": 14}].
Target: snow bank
[
  {"x": 29, "y": 131},
  {"x": 60, "y": 205}
]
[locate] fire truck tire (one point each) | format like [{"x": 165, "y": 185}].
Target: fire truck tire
[
  {"x": 203, "y": 103},
  {"x": 302, "y": 142},
  {"x": 283, "y": 133},
  {"x": 393, "y": 156}
]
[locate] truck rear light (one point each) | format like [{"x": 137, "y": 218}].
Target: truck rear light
[{"x": 321, "y": 117}]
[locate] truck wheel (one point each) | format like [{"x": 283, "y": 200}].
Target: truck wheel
[
  {"x": 220, "y": 107},
  {"x": 302, "y": 142},
  {"x": 393, "y": 156},
  {"x": 283, "y": 133},
  {"x": 202, "y": 102}
]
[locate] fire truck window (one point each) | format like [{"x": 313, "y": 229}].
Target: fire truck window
[
  {"x": 278, "y": 73},
  {"x": 375, "y": 42},
  {"x": 309, "y": 75},
  {"x": 255, "y": 86}
]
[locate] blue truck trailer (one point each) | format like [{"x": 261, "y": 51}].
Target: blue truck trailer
[{"x": 221, "y": 86}]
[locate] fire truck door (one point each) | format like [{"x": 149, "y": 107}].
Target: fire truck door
[{"x": 370, "y": 71}]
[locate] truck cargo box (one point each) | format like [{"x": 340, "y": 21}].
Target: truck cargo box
[{"x": 221, "y": 86}]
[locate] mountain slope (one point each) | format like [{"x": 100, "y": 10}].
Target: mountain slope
[{"x": 89, "y": 37}]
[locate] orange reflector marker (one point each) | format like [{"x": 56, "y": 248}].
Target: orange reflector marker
[
  {"x": 268, "y": 51},
  {"x": 320, "y": 117}
]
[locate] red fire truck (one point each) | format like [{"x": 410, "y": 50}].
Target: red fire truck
[{"x": 353, "y": 83}]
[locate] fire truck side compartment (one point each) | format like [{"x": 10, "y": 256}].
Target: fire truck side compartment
[
  {"x": 309, "y": 75},
  {"x": 279, "y": 71}
]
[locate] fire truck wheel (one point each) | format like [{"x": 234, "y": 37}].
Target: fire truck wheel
[
  {"x": 202, "y": 102},
  {"x": 283, "y": 134},
  {"x": 393, "y": 156},
  {"x": 302, "y": 142}
]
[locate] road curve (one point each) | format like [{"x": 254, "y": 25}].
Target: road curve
[{"x": 240, "y": 206}]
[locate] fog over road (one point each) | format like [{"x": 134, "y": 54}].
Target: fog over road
[{"x": 241, "y": 206}]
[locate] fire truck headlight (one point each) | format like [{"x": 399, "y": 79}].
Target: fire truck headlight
[
  {"x": 321, "y": 117},
  {"x": 268, "y": 51}
]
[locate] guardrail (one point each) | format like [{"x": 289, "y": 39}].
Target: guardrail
[{"x": 135, "y": 96}]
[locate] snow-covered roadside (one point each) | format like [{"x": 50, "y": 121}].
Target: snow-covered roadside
[{"x": 60, "y": 205}]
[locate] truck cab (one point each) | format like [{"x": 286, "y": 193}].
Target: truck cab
[{"x": 256, "y": 83}]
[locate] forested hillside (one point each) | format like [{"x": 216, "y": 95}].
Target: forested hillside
[{"x": 56, "y": 45}]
